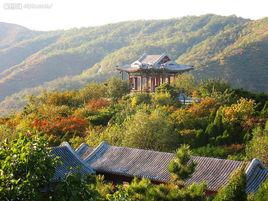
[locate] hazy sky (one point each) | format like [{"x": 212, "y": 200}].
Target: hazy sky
[{"x": 64, "y": 14}]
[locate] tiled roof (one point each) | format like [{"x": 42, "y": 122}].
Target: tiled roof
[
  {"x": 153, "y": 165},
  {"x": 150, "y": 59},
  {"x": 83, "y": 150},
  {"x": 256, "y": 175},
  {"x": 70, "y": 161},
  {"x": 153, "y": 63}
]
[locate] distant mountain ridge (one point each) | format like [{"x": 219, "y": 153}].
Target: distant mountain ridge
[{"x": 230, "y": 47}]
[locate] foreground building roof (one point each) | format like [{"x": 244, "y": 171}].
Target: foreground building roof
[
  {"x": 70, "y": 162},
  {"x": 130, "y": 162}
]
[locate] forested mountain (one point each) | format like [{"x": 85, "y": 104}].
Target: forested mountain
[{"x": 228, "y": 47}]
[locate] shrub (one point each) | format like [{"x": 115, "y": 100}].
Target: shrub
[
  {"x": 26, "y": 166},
  {"x": 140, "y": 98},
  {"x": 76, "y": 187},
  {"x": 258, "y": 146},
  {"x": 262, "y": 193},
  {"x": 116, "y": 88},
  {"x": 181, "y": 167},
  {"x": 235, "y": 189}
]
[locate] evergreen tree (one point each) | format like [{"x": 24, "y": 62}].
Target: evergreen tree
[{"x": 181, "y": 167}]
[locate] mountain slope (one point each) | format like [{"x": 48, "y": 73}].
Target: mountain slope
[
  {"x": 71, "y": 52},
  {"x": 228, "y": 47}
]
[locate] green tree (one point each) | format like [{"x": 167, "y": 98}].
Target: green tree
[
  {"x": 262, "y": 193},
  {"x": 149, "y": 130},
  {"x": 26, "y": 166},
  {"x": 76, "y": 187},
  {"x": 116, "y": 88},
  {"x": 182, "y": 167},
  {"x": 167, "y": 88},
  {"x": 144, "y": 190},
  {"x": 258, "y": 146},
  {"x": 185, "y": 83},
  {"x": 235, "y": 190}
]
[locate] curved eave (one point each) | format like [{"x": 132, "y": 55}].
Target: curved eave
[{"x": 154, "y": 70}]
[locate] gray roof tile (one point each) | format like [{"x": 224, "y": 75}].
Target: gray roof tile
[
  {"x": 69, "y": 162},
  {"x": 154, "y": 165}
]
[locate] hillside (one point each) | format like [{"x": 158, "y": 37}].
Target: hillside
[{"x": 228, "y": 47}]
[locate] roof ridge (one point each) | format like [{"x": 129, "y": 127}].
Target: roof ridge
[
  {"x": 254, "y": 175},
  {"x": 83, "y": 148},
  {"x": 69, "y": 147},
  {"x": 254, "y": 162},
  {"x": 149, "y": 150},
  {"x": 97, "y": 152},
  {"x": 160, "y": 57}
]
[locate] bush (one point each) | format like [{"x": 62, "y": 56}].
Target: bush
[
  {"x": 258, "y": 146},
  {"x": 75, "y": 187},
  {"x": 26, "y": 166},
  {"x": 181, "y": 167},
  {"x": 116, "y": 88},
  {"x": 235, "y": 189},
  {"x": 144, "y": 190},
  {"x": 262, "y": 193},
  {"x": 149, "y": 130},
  {"x": 140, "y": 98}
]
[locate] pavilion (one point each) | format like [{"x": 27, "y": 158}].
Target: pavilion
[{"x": 149, "y": 71}]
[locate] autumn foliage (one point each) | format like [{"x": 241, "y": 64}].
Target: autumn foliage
[{"x": 97, "y": 104}]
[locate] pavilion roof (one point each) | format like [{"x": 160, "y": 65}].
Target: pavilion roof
[
  {"x": 150, "y": 59},
  {"x": 155, "y": 63}
]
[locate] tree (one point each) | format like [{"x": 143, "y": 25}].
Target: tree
[
  {"x": 262, "y": 193},
  {"x": 26, "y": 166},
  {"x": 239, "y": 112},
  {"x": 167, "y": 88},
  {"x": 116, "y": 88},
  {"x": 76, "y": 187},
  {"x": 258, "y": 146},
  {"x": 181, "y": 167},
  {"x": 149, "y": 130},
  {"x": 185, "y": 83},
  {"x": 235, "y": 189},
  {"x": 144, "y": 190}
]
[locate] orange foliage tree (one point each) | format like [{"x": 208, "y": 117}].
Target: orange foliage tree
[
  {"x": 61, "y": 127},
  {"x": 97, "y": 104}
]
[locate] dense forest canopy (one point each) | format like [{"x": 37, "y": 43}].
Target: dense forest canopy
[
  {"x": 231, "y": 48},
  {"x": 220, "y": 122}
]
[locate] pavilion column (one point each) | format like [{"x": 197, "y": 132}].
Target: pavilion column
[
  {"x": 158, "y": 81},
  {"x": 168, "y": 79},
  {"x": 141, "y": 83},
  {"x": 135, "y": 83},
  {"x": 147, "y": 83},
  {"x": 152, "y": 84},
  {"x": 130, "y": 81}
]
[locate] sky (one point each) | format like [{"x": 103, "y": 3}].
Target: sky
[{"x": 66, "y": 14}]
